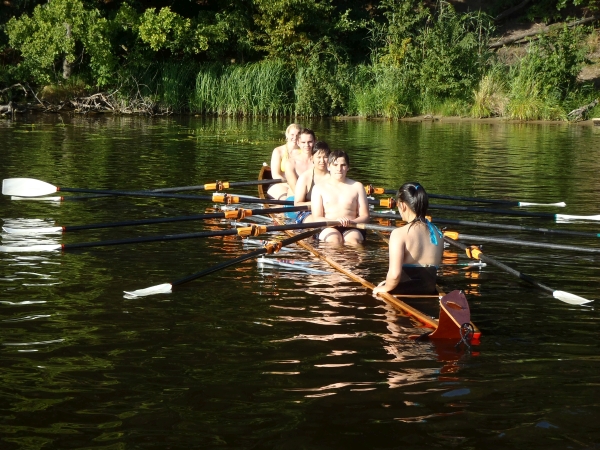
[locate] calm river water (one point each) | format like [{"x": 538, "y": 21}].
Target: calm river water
[{"x": 266, "y": 358}]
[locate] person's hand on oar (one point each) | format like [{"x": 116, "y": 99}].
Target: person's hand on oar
[
  {"x": 370, "y": 189},
  {"x": 476, "y": 253},
  {"x": 270, "y": 247}
]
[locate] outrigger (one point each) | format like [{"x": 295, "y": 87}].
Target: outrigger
[{"x": 454, "y": 320}]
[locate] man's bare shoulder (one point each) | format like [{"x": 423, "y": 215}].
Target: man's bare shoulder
[{"x": 355, "y": 185}]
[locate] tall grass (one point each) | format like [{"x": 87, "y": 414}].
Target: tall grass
[
  {"x": 264, "y": 88},
  {"x": 173, "y": 85},
  {"x": 490, "y": 99},
  {"x": 382, "y": 91}
]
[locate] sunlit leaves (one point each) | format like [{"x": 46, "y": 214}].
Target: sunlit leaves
[
  {"x": 171, "y": 31},
  {"x": 54, "y": 31}
]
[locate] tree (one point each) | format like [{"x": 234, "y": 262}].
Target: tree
[{"x": 62, "y": 31}]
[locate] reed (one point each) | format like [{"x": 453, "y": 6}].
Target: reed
[
  {"x": 264, "y": 88},
  {"x": 490, "y": 99},
  {"x": 382, "y": 91},
  {"x": 173, "y": 85}
]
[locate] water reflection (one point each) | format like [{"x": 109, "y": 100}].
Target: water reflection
[{"x": 273, "y": 358}]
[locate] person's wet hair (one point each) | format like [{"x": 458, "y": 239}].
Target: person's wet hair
[
  {"x": 335, "y": 154},
  {"x": 321, "y": 147},
  {"x": 308, "y": 131},
  {"x": 415, "y": 197}
]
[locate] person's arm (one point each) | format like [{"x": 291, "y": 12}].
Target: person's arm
[
  {"x": 363, "y": 205},
  {"x": 316, "y": 205},
  {"x": 396, "y": 250},
  {"x": 290, "y": 174},
  {"x": 300, "y": 191},
  {"x": 276, "y": 164}
]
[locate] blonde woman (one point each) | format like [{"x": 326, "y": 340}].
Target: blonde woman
[{"x": 279, "y": 159}]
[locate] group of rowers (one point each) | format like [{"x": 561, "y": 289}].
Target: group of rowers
[{"x": 315, "y": 175}]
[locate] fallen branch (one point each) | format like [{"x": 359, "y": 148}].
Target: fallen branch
[
  {"x": 6, "y": 109},
  {"x": 543, "y": 30},
  {"x": 578, "y": 114},
  {"x": 14, "y": 86}
]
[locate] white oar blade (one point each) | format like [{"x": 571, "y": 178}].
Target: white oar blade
[
  {"x": 46, "y": 199},
  {"x": 26, "y": 187},
  {"x": 30, "y": 248},
  {"x": 569, "y": 298},
  {"x": 567, "y": 217},
  {"x": 165, "y": 288},
  {"x": 559, "y": 204},
  {"x": 46, "y": 230}
]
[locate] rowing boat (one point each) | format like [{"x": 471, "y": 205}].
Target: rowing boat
[{"x": 454, "y": 318}]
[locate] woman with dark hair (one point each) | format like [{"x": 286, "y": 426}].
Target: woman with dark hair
[{"x": 415, "y": 249}]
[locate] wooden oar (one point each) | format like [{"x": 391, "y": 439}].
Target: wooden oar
[
  {"x": 270, "y": 247},
  {"x": 455, "y": 235},
  {"x": 541, "y": 215},
  {"x": 370, "y": 189},
  {"x": 219, "y": 185},
  {"x": 509, "y": 212},
  {"x": 236, "y": 214},
  {"x": 30, "y": 187},
  {"x": 253, "y": 230},
  {"x": 475, "y": 253}
]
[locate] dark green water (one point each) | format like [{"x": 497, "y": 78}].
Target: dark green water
[{"x": 267, "y": 358}]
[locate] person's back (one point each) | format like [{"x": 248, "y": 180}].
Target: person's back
[{"x": 415, "y": 249}]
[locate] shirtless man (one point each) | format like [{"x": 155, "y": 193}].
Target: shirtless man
[
  {"x": 279, "y": 158},
  {"x": 307, "y": 180},
  {"x": 340, "y": 198},
  {"x": 300, "y": 161}
]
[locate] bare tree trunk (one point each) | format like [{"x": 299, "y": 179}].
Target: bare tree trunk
[
  {"x": 506, "y": 41},
  {"x": 67, "y": 67}
]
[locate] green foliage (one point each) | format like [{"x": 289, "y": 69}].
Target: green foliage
[
  {"x": 444, "y": 53},
  {"x": 556, "y": 60},
  {"x": 545, "y": 76},
  {"x": 305, "y": 57},
  {"x": 288, "y": 28},
  {"x": 43, "y": 40},
  {"x": 453, "y": 52},
  {"x": 395, "y": 39}
]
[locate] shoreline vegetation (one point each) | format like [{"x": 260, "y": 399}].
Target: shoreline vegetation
[{"x": 388, "y": 59}]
